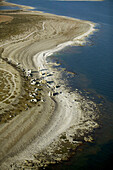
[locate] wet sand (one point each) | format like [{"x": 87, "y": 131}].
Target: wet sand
[{"x": 39, "y": 129}]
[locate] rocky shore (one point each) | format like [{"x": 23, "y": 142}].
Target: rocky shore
[{"x": 41, "y": 121}]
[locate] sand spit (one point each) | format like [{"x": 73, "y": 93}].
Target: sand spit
[
  {"x": 3, "y": 3},
  {"x": 80, "y": 0},
  {"x": 38, "y": 131}
]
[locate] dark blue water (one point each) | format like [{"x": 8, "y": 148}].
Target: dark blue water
[
  {"x": 7, "y": 8},
  {"x": 93, "y": 64}
]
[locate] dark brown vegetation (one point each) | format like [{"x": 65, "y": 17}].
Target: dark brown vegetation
[{"x": 19, "y": 24}]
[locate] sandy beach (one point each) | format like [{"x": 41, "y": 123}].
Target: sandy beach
[{"x": 33, "y": 137}]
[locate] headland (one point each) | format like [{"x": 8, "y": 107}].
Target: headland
[{"x": 40, "y": 120}]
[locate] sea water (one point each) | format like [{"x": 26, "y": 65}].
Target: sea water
[
  {"x": 93, "y": 65},
  {"x": 8, "y": 8},
  {"x": 94, "y": 61}
]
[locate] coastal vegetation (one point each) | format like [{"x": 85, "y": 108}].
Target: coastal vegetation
[{"x": 41, "y": 121}]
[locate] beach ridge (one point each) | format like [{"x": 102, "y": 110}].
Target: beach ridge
[{"x": 59, "y": 111}]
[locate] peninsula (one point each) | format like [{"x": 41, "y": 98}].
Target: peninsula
[{"x": 40, "y": 119}]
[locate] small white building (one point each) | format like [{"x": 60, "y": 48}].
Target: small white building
[
  {"x": 33, "y": 82},
  {"x": 34, "y": 100}
]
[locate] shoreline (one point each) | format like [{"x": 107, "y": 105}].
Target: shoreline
[
  {"x": 24, "y": 7},
  {"x": 64, "y": 98},
  {"x": 64, "y": 114}
]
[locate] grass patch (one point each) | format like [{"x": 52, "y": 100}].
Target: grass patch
[{"x": 20, "y": 24}]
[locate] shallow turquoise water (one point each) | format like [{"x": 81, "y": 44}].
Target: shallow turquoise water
[{"x": 93, "y": 64}]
